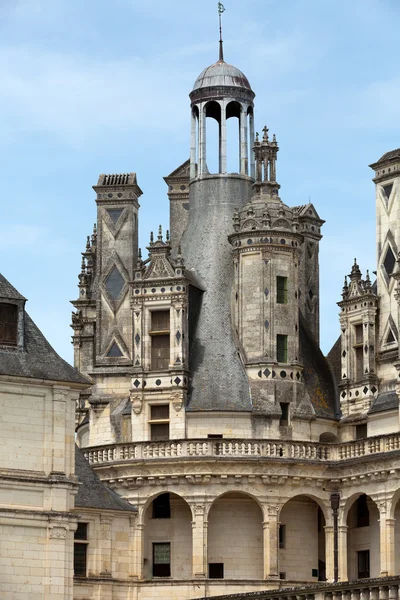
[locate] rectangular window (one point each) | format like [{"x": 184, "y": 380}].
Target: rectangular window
[
  {"x": 80, "y": 550},
  {"x": 282, "y": 575},
  {"x": 282, "y": 536},
  {"x": 361, "y": 431},
  {"x": 359, "y": 363},
  {"x": 159, "y": 422},
  {"x": 282, "y": 290},
  {"x": 160, "y": 340},
  {"x": 215, "y": 570},
  {"x": 284, "y": 420},
  {"x": 8, "y": 324},
  {"x": 358, "y": 329},
  {"x": 215, "y": 436},
  {"x": 281, "y": 348},
  {"x": 162, "y": 507},
  {"x": 162, "y": 560},
  {"x": 363, "y": 564}
]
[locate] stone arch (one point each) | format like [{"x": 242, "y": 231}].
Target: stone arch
[
  {"x": 235, "y": 536},
  {"x": 167, "y": 536},
  {"x": 392, "y": 504},
  {"x": 361, "y": 515},
  {"x": 323, "y": 503},
  {"x": 262, "y": 507},
  {"x": 149, "y": 500},
  {"x": 327, "y": 437},
  {"x": 233, "y": 137},
  {"x": 301, "y": 539}
]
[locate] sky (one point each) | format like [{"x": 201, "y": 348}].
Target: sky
[{"x": 90, "y": 87}]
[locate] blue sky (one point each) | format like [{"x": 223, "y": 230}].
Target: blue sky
[{"x": 91, "y": 87}]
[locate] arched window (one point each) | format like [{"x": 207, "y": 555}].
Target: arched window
[
  {"x": 8, "y": 324},
  {"x": 213, "y": 128},
  {"x": 233, "y": 137}
]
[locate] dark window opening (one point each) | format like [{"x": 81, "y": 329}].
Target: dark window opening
[
  {"x": 215, "y": 436},
  {"x": 281, "y": 290},
  {"x": 282, "y": 536},
  {"x": 162, "y": 560},
  {"x": 281, "y": 348},
  {"x": 362, "y": 511},
  {"x": 159, "y": 432},
  {"x": 162, "y": 507},
  {"x": 389, "y": 261},
  {"x": 359, "y": 363},
  {"x": 284, "y": 420},
  {"x": 8, "y": 324},
  {"x": 159, "y": 422},
  {"x": 282, "y": 575},
  {"x": 361, "y": 431},
  {"x": 160, "y": 344},
  {"x": 159, "y": 321},
  {"x": 363, "y": 564},
  {"x": 80, "y": 550},
  {"x": 216, "y": 570},
  {"x": 390, "y": 338},
  {"x": 359, "y": 333},
  {"x": 321, "y": 570},
  {"x": 320, "y": 519}
]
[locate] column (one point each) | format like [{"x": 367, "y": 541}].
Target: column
[
  {"x": 58, "y": 583},
  {"x": 202, "y": 140},
  {"x": 271, "y": 544},
  {"x": 132, "y": 538},
  {"x": 252, "y": 162},
  {"x": 222, "y": 139},
  {"x": 243, "y": 142},
  {"x": 343, "y": 553},
  {"x": 387, "y": 545},
  {"x": 193, "y": 146},
  {"x": 390, "y": 545},
  {"x": 199, "y": 542},
  {"x": 137, "y": 551},
  {"x": 329, "y": 552},
  {"x": 106, "y": 535}
]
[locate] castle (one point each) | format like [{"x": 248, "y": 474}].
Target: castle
[{"x": 227, "y": 454}]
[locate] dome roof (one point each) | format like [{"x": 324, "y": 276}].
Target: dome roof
[{"x": 221, "y": 74}]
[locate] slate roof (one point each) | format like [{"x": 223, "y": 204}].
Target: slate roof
[
  {"x": 389, "y": 156},
  {"x": 318, "y": 377},
  {"x": 9, "y": 291},
  {"x": 37, "y": 359},
  {"x": 221, "y": 74},
  {"x": 93, "y": 493},
  {"x": 384, "y": 402},
  {"x": 334, "y": 358}
]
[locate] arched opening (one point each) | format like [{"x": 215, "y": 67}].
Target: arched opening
[
  {"x": 302, "y": 554},
  {"x": 168, "y": 538},
  {"x": 328, "y": 438},
  {"x": 235, "y": 538},
  {"x": 396, "y": 515},
  {"x": 213, "y": 139},
  {"x": 233, "y": 137},
  {"x": 363, "y": 546}
]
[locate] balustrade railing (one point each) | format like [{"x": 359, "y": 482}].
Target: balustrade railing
[
  {"x": 242, "y": 448},
  {"x": 384, "y": 588}
]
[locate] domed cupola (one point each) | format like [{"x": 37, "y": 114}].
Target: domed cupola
[{"x": 221, "y": 92}]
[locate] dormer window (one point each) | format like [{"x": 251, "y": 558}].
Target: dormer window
[{"x": 8, "y": 324}]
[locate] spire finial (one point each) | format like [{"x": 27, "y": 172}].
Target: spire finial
[
  {"x": 265, "y": 132},
  {"x": 221, "y": 9},
  {"x": 159, "y": 237}
]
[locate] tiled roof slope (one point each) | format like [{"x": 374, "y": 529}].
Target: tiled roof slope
[
  {"x": 318, "y": 377},
  {"x": 384, "y": 402},
  {"x": 93, "y": 493},
  {"x": 38, "y": 359},
  {"x": 8, "y": 291}
]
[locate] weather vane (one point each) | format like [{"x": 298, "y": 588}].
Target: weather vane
[{"x": 221, "y": 9}]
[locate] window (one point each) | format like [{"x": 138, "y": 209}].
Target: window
[
  {"x": 282, "y": 575},
  {"x": 358, "y": 333},
  {"x": 162, "y": 560},
  {"x": 284, "y": 420},
  {"x": 358, "y": 351},
  {"x": 363, "y": 564},
  {"x": 160, "y": 346},
  {"x": 362, "y": 515},
  {"x": 281, "y": 348},
  {"x": 282, "y": 536},
  {"x": 216, "y": 570},
  {"x": 361, "y": 431},
  {"x": 162, "y": 507},
  {"x": 215, "y": 436},
  {"x": 80, "y": 550},
  {"x": 281, "y": 290},
  {"x": 159, "y": 422},
  {"x": 8, "y": 324}
]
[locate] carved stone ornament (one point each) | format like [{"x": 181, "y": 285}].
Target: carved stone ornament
[
  {"x": 198, "y": 510},
  {"x": 58, "y": 531},
  {"x": 177, "y": 401},
  {"x": 137, "y": 402}
]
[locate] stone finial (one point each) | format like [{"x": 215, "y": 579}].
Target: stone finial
[
  {"x": 94, "y": 235},
  {"x": 167, "y": 235},
  {"x": 274, "y": 140},
  {"x": 265, "y": 133},
  {"x": 257, "y": 136},
  {"x": 179, "y": 262},
  {"x": 159, "y": 237},
  {"x": 139, "y": 259},
  {"x": 345, "y": 290},
  {"x": 88, "y": 243},
  {"x": 151, "y": 237},
  {"x": 367, "y": 282},
  {"x": 236, "y": 220},
  {"x": 355, "y": 274}
]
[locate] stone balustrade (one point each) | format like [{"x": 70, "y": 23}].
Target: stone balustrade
[
  {"x": 385, "y": 588},
  {"x": 242, "y": 448}
]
